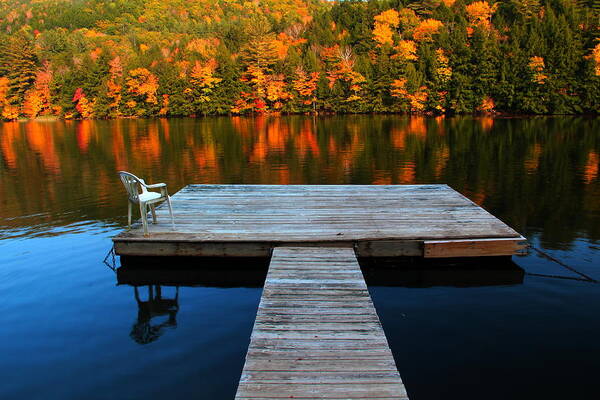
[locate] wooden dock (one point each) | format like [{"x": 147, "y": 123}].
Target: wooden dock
[
  {"x": 378, "y": 220},
  {"x": 316, "y": 334}
]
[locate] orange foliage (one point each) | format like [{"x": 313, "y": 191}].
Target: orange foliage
[
  {"x": 165, "y": 105},
  {"x": 83, "y": 105},
  {"x": 389, "y": 17},
  {"x": 382, "y": 34},
  {"x": 595, "y": 56},
  {"x": 142, "y": 82},
  {"x": 306, "y": 85},
  {"x": 384, "y": 22},
  {"x": 32, "y": 104},
  {"x": 426, "y": 29},
  {"x": 4, "y": 87},
  {"x": 10, "y": 112},
  {"x": 415, "y": 100},
  {"x": 487, "y": 105},
  {"x": 37, "y": 99},
  {"x": 399, "y": 88},
  {"x": 276, "y": 91},
  {"x": 537, "y": 66},
  {"x": 480, "y": 13},
  {"x": 406, "y": 50},
  {"x": 443, "y": 69}
]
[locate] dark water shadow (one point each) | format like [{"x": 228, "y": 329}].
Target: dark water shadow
[
  {"x": 193, "y": 271},
  {"x": 423, "y": 273}
]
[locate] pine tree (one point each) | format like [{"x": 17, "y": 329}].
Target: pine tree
[{"x": 18, "y": 63}]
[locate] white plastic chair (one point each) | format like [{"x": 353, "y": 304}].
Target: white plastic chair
[{"x": 145, "y": 199}]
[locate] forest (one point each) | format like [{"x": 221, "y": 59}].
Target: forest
[{"x": 85, "y": 59}]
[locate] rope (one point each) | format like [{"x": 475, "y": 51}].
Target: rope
[{"x": 562, "y": 264}]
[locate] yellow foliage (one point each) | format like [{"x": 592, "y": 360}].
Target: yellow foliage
[
  {"x": 480, "y": 13},
  {"x": 443, "y": 69},
  {"x": 449, "y": 3},
  {"x": 426, "y": 29},
  {"x": 10, "y": 113},
  {"x": 595, "y": 56},
  {"x": 389, "y": 17},
  {"x": 205, "y": 47},
  {"x": 114, "y": 92},
  {"x": 86, "y": 107},
  {"x": 407, "y": 50},
  {"x": 202, "y": 76},
  {"x": 418, "y": 99},
  {"x": 382, "y": 33}
]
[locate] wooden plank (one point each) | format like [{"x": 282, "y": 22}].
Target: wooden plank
[
  {"x": 473, "y": 247},
  {"x": 316, "y": 333},
  {"x": 386, "y": 220}
]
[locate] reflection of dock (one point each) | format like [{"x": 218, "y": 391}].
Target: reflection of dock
[
  {"x": 317, "y": 334},
  {"x": 388, "y": 220},
  {"x": 471, "y": 272}
]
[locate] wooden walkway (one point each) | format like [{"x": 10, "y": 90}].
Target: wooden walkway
[
  {"x": 379, "y": 220},
  {"x": 316, "y": 334}
]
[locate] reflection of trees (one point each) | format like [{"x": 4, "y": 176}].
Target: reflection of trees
[
  {"x": 143, "y": 331},
  {"x": 533, "y": 173}
]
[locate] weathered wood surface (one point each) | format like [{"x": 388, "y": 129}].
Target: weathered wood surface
[
  {"x": 249, "y": 220},
  {"x": 317, "y": 334}
]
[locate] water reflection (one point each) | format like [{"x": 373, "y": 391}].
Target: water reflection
[
  {"x": 537, "y": 174},
  {"x": 144, "y": 331},
  {"x": 422, "y": 273},
  {"x": 156, "y": 276}
]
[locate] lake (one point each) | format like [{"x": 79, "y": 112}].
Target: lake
[{"x": 71, "y": 327}]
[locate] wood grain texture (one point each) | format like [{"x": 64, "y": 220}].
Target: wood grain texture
[
  {"x": 249, "y": 220},
  {"x": 317, "y": 334}
]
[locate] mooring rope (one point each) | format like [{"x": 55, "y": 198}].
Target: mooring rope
[
  {"x": 110, "y": 259},
  {"x": 587, "y": 278}
]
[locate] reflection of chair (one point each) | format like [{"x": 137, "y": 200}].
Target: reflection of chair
[
  {"x": 143, "y": 332},
  {"x": 145, "y": 199}
]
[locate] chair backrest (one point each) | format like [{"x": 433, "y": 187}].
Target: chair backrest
[{"x": 132, "y": 184}]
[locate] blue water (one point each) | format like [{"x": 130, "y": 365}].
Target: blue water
[{"x": 70, "y": 330}]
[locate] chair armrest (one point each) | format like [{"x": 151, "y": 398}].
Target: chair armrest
[{"x": 156, "y": 185}]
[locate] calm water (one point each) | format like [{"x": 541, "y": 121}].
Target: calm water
[{"x": 72, "y": 328}]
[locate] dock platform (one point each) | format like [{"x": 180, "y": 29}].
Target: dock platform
[
  {"x": 316, "y": 333},
  {"x": 377, "y": 220}
]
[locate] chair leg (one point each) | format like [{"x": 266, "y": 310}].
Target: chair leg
[
  {"x": 143, "y": 213},
  {"x": 129, "y": 212},
  {"x": 153, "y": 213},
  {"x": 171, "y": 211}
]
